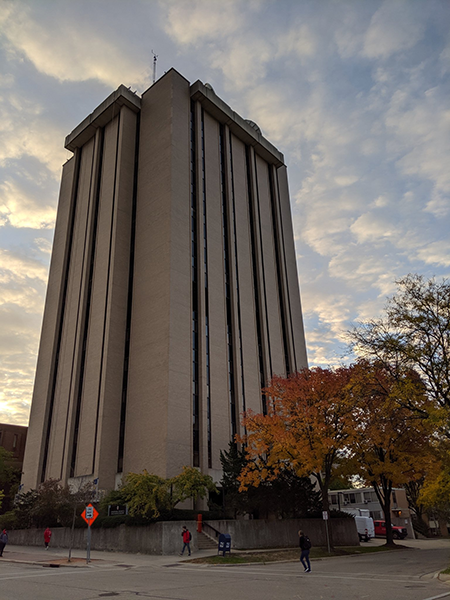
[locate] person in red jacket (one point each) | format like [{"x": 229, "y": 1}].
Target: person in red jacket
[
  {"x": 186, "y": 535},
  {"x": 47, "y": 536}
]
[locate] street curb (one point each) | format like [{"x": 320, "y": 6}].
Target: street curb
[
  {"x": 293, "y": 560},
  {"x": 444, "y": 578},
  {"x": 48, "y": 564}
]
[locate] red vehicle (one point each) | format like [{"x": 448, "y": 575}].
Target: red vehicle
[{"x": 398, "y": 533}]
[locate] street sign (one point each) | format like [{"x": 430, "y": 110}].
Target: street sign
[
  {"x": 89, "y": 514},
  {"x": 325, "y": 515}
]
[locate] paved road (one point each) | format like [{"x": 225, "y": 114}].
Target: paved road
[{"x": 400, "y": 575}]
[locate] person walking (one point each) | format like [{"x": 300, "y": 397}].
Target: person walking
[
  {"x": 47, "y": 537},
  {"x": 305, "y": 546},
  {"x": 3, "y": 541},
  {"x": 186, "y": 535}
]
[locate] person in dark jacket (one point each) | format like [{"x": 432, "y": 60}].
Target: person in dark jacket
[
  {"x": 3, "y": 541},
  {"x": 305, "y": 546},
  {"x": 186, "y": 535}
]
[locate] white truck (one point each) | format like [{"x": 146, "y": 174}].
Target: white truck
[{"x": 364, "y": 523}]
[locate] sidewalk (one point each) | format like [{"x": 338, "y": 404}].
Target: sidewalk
[{"x": 57, "y": 557}]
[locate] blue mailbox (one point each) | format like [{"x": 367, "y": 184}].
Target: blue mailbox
[{"x": 224, "y": 543}]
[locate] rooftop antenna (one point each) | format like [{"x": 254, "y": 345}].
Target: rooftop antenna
[{"x": 155, "y": 58}]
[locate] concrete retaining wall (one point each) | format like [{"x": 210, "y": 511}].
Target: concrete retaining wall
[
  {"x": 284, "y": 534},
  {"x": 165, "y": 537},
  {"x": 158, "y": 538}
]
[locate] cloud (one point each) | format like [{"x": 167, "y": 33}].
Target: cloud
[
  {"x": 420, "y": 130},
  {"x": 196, "y": 21},
  {"x": 60, "y": 47},
  {"x": 436, "y": 253},
  {"x": 244, "y": 62},
  {"x": 20, "y": 209},
  {"x": 395, "y": 27},
  {"x": 22, "y": 289},
  {"x": 373, "y": 228},
  {"x": 26, "y": 132}
]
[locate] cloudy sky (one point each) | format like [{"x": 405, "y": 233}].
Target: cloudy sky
[{"x": 354, "y": 93}]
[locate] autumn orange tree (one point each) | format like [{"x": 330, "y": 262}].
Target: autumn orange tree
[
  {"x": 391, "y": 444},
  {"x": 307, "y": 428}
]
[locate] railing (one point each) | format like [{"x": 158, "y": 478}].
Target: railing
[{"x": 211, "y": 531}]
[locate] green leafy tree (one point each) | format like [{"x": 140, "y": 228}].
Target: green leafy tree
[
  {"x": 53, "y": 505},
  {"x": 48, "y": 505},
  {"x": 148, "y": 495},
  {"x": 233, "y": 461},
  {"x": 24, "y": 509},
  {"x": 190, "y": 484},
  {"x": 413, "y": 333},
  {"x": 9, "y": 479}
]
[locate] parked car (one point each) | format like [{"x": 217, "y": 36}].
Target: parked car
[
  {"x": 365, "y": 528},
  {"x": 398, "y": 533}
]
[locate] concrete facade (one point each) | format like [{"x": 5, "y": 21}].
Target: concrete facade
[{"x": 173, "y": 294}]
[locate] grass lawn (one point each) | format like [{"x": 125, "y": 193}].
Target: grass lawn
[{"x": 236, "y": 558}]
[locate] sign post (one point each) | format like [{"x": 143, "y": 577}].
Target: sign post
[
  {"x": 89, "y": 514},
  {"x": 325, "y": 518}
]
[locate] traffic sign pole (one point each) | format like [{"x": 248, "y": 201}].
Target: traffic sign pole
[
  {"x": 89, "y": 514},
  {"x": 88, "y": 552},
  {"x": 325, "y": 518}
]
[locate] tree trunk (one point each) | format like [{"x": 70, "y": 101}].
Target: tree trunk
[
  {"x": 324, "y": 484},
  {"x": 384, "y": 496}
]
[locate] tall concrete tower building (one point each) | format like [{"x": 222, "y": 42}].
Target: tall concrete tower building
[{"x": 173, "y": 294}]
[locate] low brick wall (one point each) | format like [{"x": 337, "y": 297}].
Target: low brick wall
[{"x": 165, "y": 537}]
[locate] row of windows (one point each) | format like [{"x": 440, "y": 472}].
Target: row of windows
[
  {"x": 123, "y": 407},
  {"x": 66, "y": 268},
  {"x": 195, "y": 304},
  {"x": 227, "y": 275},
  {"x": 87, "y": 311},
  {"x": 205, "y": 271},
  {"x": 340, "y": 498},
  {"x": 259, "y": 327},
  {"x": 278, "y": 262},
  {"x": 236, "y": 267}
]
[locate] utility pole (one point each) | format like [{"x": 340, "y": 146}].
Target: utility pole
[{"x": 155, "y": 58}]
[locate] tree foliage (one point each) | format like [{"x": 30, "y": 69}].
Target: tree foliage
[
  {"x": 288, "y": 496},
  {"x": 148, "y": 495},
  {"x": 391, "y": 445},
  {"x": 434, "y": 494},
  {"x": 308, "y": 427},
  {"x": 413, "y": 336},
  {"x": 413, "y": 490},
  {"x": 190, "y": 484},
  {"x": 414, "y": 333},
  {"x": 9, "y": 479},
  {"x": 51, "y": 504}
]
